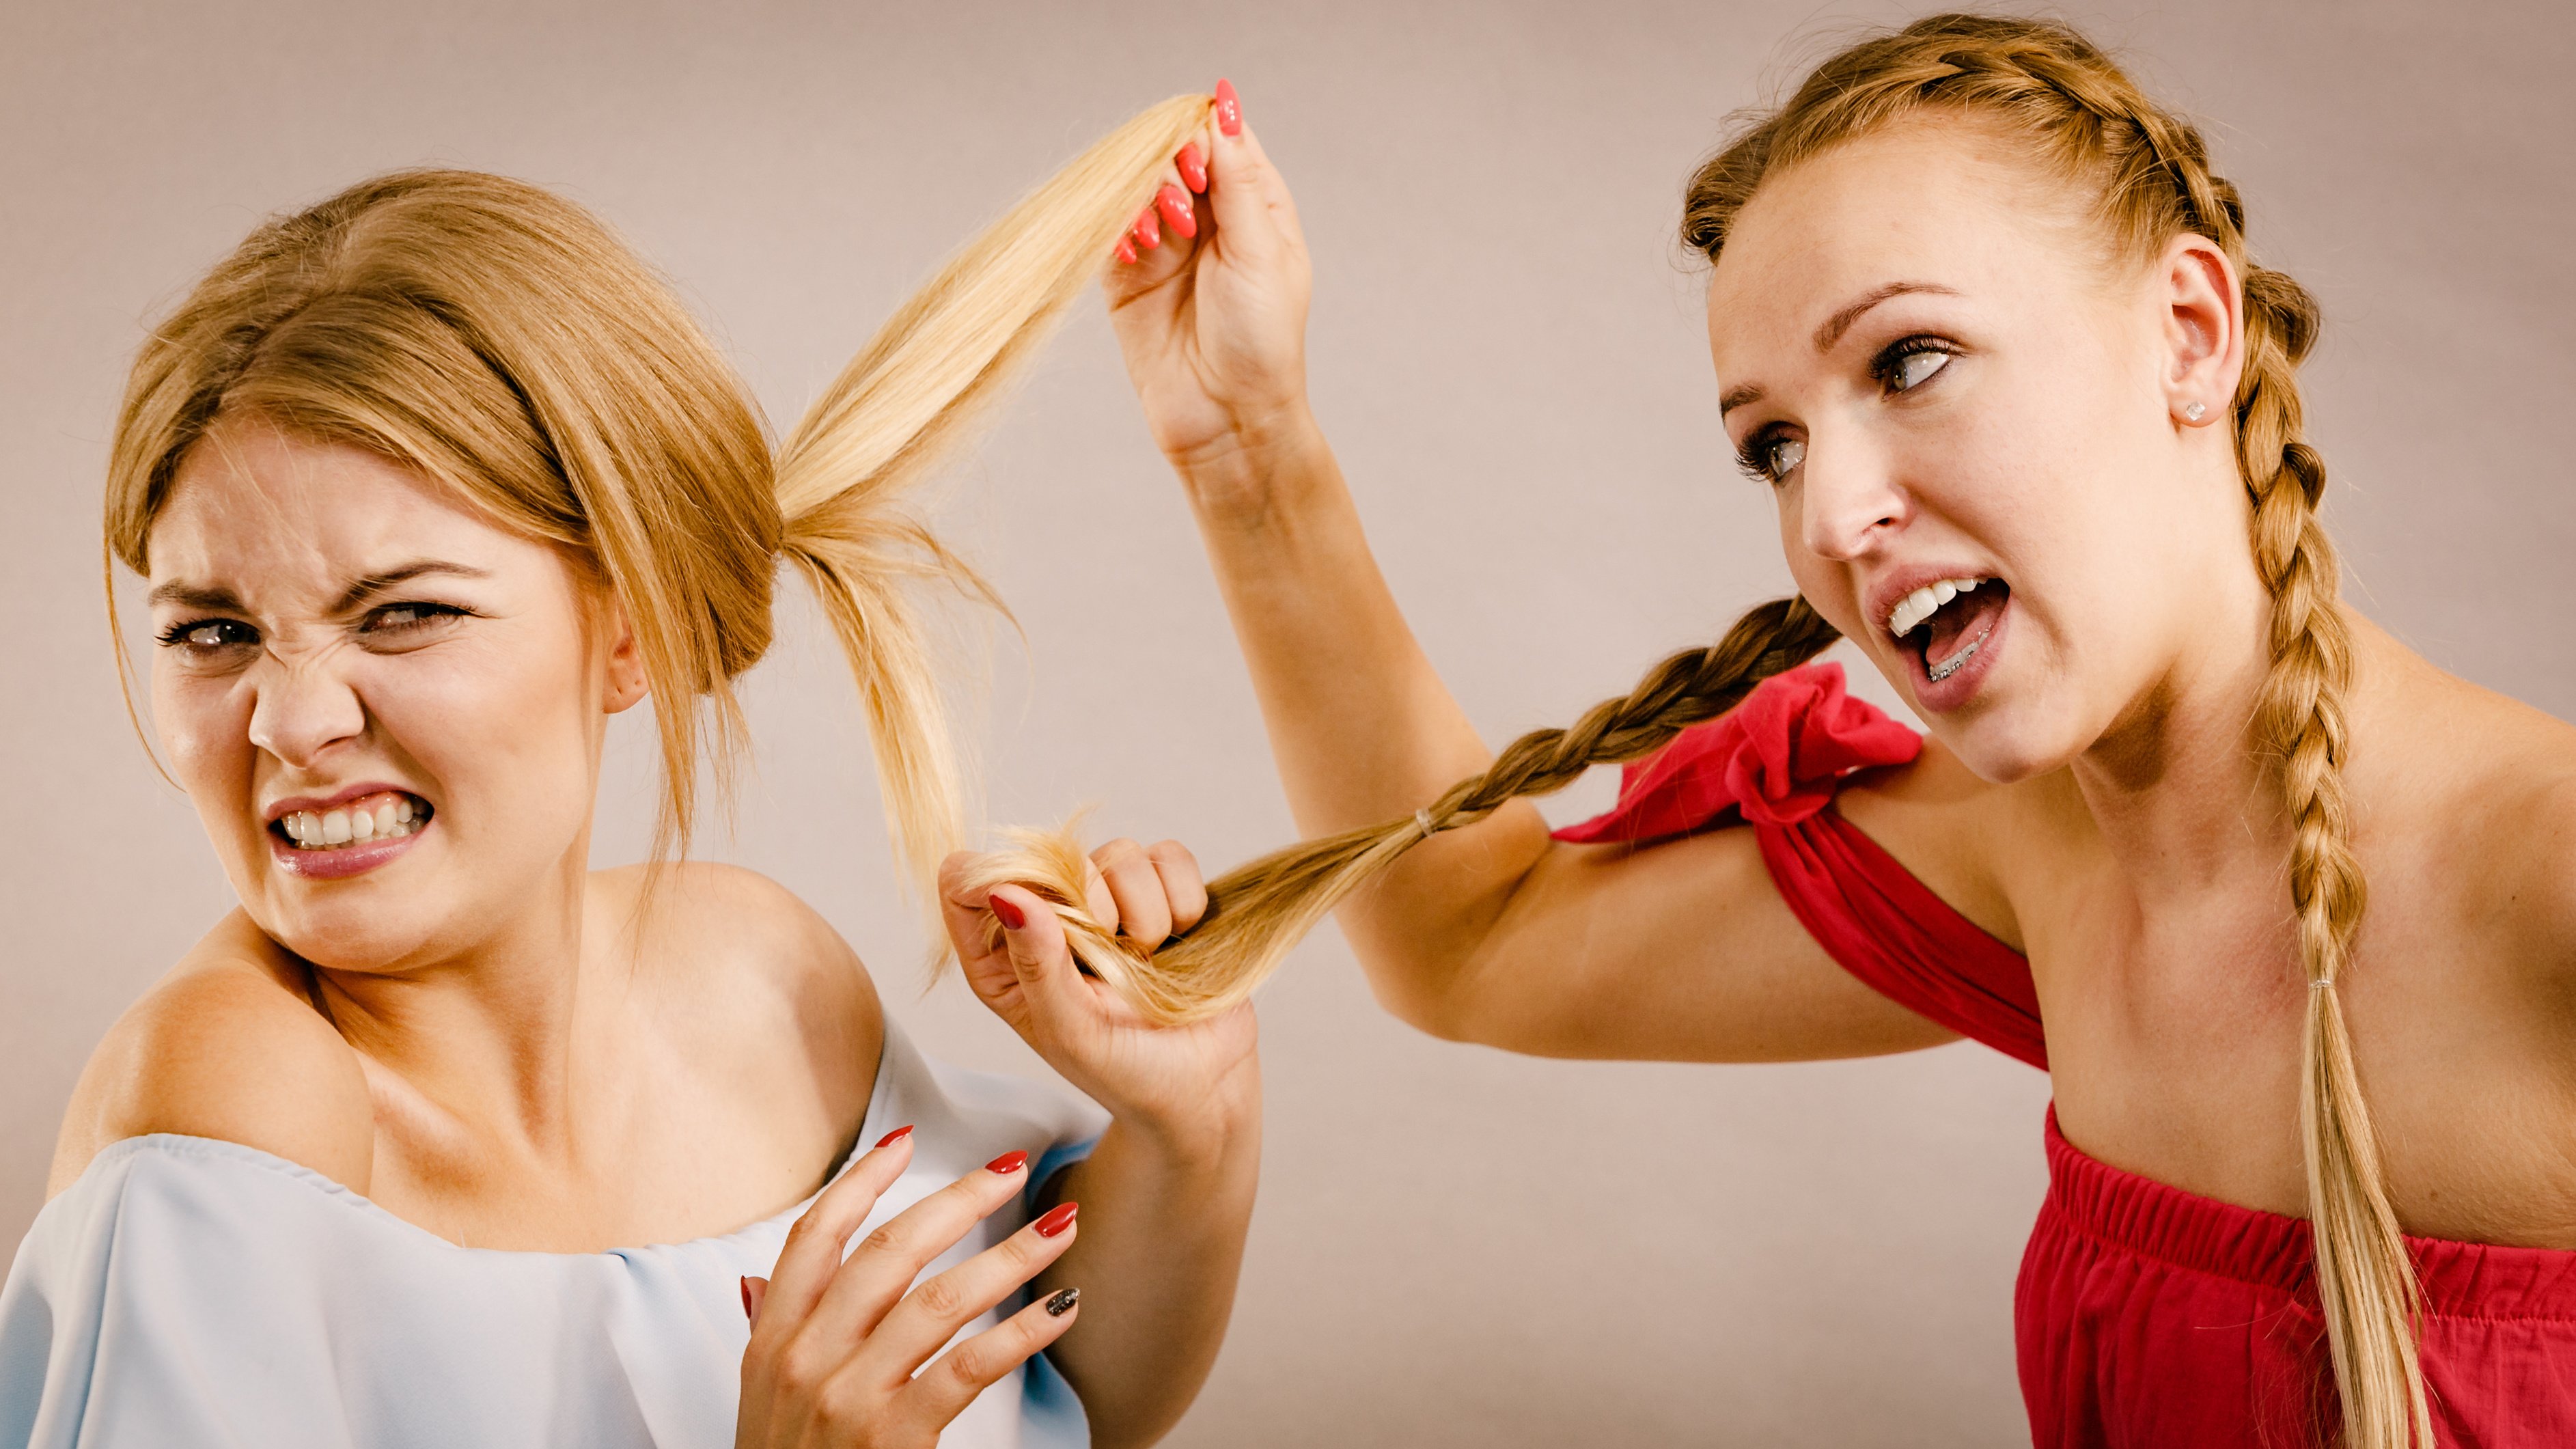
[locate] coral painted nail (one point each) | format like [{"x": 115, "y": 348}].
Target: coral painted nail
[
  {"x": 1229, "y": 109},
  {"x": 897, "y": 1135},
  {"x": 1125, "y": 251},
  {"x": 1174, "y": 204},
  {"x": 1007, "y": 1163},
  {"x": 1057, "y": 1219},
  {"x": 1004, "y": 908},
  {"x": 1145, "y": 231},
  {"x": 1193, "y": 167}
]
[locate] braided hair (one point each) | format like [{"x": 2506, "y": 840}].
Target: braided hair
[{"x": 2151, "y": 175}]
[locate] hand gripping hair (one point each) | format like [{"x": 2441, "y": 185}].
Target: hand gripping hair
[
  {"x": 500, "y": 340},
  {"x": 2147, "y": 172}
]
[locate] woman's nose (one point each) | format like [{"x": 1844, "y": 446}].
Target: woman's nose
[
  {"x": 303, "y": 710},
  {"x": 1848, "y": 501}
]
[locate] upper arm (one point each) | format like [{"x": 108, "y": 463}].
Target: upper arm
[
  {"x": 1684, "y": 949},
  {"x": 223, "y": 1049},
  {"x": 1678, "y": 951}
]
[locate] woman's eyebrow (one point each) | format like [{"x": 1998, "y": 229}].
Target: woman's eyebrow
[
  {"x": 1840, "y": 323},
  {"x": 377, "y": 583},
  {"x": 195, "y": 596}
]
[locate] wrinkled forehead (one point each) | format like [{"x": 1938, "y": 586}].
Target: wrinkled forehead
[
  {"x": 1948, "y": 203},
  {"x": 253, "y": 504}
]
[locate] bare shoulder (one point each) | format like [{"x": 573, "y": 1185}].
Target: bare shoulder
[
  {"x": 227, "y": 1046},
  {"x": 2489, "y": 792},
  {"x": 752, "y": 963},
  {"x": 728, "y": 918}
]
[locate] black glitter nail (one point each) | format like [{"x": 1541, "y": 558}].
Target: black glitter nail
[{"x": 1062, "y": 1303}]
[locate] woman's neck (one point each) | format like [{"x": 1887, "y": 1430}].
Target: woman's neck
[
  {"x": 2177, "y": 785},
  {"x": 487, "y": 1041}
]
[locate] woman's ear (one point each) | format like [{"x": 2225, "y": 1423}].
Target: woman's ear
[
  {"x": 2204, "y": 330},
  {"x": 627, "y": 681}
]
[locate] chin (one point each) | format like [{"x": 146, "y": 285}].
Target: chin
[
  {"x": 2002, "y": 746},
  {"x": 345, "y": 939}
]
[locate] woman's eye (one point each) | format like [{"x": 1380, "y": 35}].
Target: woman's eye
[
  {"x": 1771, "y": 459},
  {"x": 206, "y": 635},
  {"x": 403, "y": 618},
  {"x": 1911, "y": 363},
  {"x": 1916, "y": 369}
]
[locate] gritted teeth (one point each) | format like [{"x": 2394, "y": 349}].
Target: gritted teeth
[
  {"x": 369, "y": 817},
  {"x": 1924, "y": 602}
]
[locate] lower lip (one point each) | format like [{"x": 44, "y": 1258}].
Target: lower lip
[
  {"x": 347, "y": 860},
  {"x": 1961, "y": 684}
]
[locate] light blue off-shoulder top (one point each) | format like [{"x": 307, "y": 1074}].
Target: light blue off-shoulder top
[{"x": 188, "y": 1292}]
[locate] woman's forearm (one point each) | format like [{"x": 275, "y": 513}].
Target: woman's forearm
[
  {"x": 1164, "y": 1214},
  {"x": 1361, "y": 725}
]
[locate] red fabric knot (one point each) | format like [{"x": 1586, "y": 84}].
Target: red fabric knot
[{"x": 1775, "y": 759}]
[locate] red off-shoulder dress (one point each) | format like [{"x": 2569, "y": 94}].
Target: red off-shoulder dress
[{"x": 2145, "y": 1315}]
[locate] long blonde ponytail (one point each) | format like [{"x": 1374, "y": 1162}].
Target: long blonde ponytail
[
  {"x": 2151, "y": 173},
  {"x": 906, "y": 399}
]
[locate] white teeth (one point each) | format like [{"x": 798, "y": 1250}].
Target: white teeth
[
  {"x": 376, "y": 817},
  {"x": 1924, "y": 602}
]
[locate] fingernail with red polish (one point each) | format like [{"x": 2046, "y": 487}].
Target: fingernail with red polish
[
  {"x": 1147, "y": 234},
  {"x": 1007, "y": 1163},
  {"x": 1057, "y": 1219},
  {"x": 897, "y": 1135},
  {"x": 1174, "y": 204},
  {"x": 1193, "y": 167},
  {"x": 746, "y": 1300},
  {"x": 1125, "y": 250},
  {"x": 1012, "y": 917},
  {"x": 1229, "y": 109}
]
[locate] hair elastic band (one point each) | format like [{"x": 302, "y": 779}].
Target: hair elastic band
[
  {"x": 1423, "y": 819},
  {"x": 2322, "y": 983}
]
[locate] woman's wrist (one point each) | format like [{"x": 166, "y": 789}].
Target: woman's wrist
[
  {"x": 1201, "y": 1129},
  {"x": 1245, "y": 476}
]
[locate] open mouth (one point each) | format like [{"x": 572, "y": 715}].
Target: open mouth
[
  {"x": 1945, "y": 623},
  {"x": 385, "y": 815}
]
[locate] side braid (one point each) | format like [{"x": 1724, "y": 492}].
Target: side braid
[
  {"x": 1258, "y": 911},
  {"x": 2365, "y": 1282}
]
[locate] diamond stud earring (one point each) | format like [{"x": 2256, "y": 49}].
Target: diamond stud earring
[{"x": 2193, "y": 412}]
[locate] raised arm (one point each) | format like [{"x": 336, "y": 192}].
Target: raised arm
[{"x": 1491, "y": 933}]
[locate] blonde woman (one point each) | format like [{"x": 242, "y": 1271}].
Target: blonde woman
[
  {"x": 1985, "y": 322},
  {"x": 443, "y": 1137}
]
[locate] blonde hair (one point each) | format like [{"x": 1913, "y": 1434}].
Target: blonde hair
[
  {"x": 501, "y": 340},
  {"x": 2151, "y": 173}
]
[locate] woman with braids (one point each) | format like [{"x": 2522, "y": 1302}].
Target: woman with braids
[
  {"x": 2287, "y": 913},
  {"x": 444, "y": 1138}
]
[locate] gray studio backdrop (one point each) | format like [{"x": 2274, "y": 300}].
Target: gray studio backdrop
[{"x": 1454, "y": 1247}]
